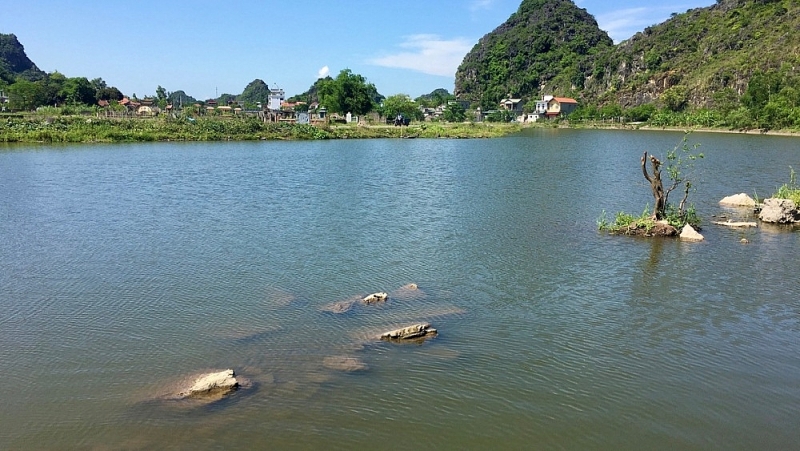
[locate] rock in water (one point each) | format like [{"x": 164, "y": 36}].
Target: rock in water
[
  {"x": 405, "y": 333},
  {"x": 690, "y": 234},
  {"x": 735, "y": 224},
  {"x": 375, "y": 297},
  {"x": 781, "y": 211},
  {"x": 339, "y": 307},
  {"x": 344, "y": 363},
  {"x": 738, "y": 200},
  {"x": 213, "y": 384}
]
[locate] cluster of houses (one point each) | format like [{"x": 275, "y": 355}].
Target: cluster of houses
[{"x": 549, "y": 107}]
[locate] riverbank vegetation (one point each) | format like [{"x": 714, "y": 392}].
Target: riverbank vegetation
[{"x": 40, "y": 128}]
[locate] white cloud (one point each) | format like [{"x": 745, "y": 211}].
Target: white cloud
[
  {"x": 624, "y": 23},
  {"x": 323, "y": 72},
  {"x": 429, "y": 54},
  {"x": 477, "y": 5}
]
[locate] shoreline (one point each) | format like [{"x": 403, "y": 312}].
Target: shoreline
[
  {"x": 83, "y": 130},
  {"x": 641, "y": 127}
]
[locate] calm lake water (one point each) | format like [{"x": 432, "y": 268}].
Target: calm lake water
[{"x": 126, "y": 269}]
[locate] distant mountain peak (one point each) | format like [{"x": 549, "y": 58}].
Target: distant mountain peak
[{"x": 540, "y": 46}]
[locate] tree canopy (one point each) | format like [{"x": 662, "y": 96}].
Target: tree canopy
[
  {"x": 348, "y": 93},
  {"x": 399, "y": 104},
  {"x": 78, "y": 90},
  {"x": 454, "y": 112}
]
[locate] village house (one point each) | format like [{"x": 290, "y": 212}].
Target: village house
[
  {"x": 513, "y": 105},
  {"x": 551, "y": 107},
  {"x": 560, "y": 106},
  {"x": 147, "y": 107}
]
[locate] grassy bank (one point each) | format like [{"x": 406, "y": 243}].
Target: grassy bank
[{"x": 77, "y": 129}]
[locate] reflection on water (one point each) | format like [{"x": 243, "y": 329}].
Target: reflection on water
[{"x": 125, "y": 270}]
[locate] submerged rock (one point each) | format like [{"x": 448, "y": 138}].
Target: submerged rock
[
  {"x": 405, "y": 333},
  {"x": 375, "y": 297},
  {"x": 688, "y": 233},
  {"x": 212, "y": 385},
  {"x": 730, "y": 223},
  {"x": 344, "y": 363},
  {"x": 339, "y": 306},
  {"x": 407, "y": 292},
  {"x": 738, "y": 200}
]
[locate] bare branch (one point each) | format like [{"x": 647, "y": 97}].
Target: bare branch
[{"x": 644, "y": 167}]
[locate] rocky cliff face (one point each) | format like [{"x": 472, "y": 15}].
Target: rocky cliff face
[
  {"x": 688, "y": 60},
  {"x": 699, "y": 53},
  {"x": 14, "y": 62}
]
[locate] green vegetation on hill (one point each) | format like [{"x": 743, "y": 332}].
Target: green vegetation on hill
[
  {"x": 735, "y": 64},
  {"x": 702, "y": 58},
  {"x": 545, "y": 45},
  {"x": 14, "y": 62},
  {"x": 254, "y": 93}
]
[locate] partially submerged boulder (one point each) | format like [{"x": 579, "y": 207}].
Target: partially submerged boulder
[
  {"x": 780, "y": 211},
  {"x": 212, "y": 385},
  {"x": 406, "y": 333},
  {"x": 738, "y": 200},
  {"x": 375, "y": 297},
  {"x": 688, "y": 233}
]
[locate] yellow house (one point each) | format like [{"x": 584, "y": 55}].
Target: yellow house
[{"x": 558, "y": 106}]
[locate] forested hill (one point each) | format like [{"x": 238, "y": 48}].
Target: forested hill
[
  {"x": 545, "y": 44},
  {"x": 14, "y": 62},
  {"x": 704, "y": 57}
]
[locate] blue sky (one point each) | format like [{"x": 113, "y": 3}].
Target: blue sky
[{"x": 207, "y": 48}]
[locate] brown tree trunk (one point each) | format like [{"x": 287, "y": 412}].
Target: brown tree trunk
[{"x": 659, "y": 209}]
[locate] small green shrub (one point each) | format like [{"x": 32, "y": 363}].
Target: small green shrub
[
  {"x": 624, "y": 221},
  {"x": 789, "y": 190}
]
